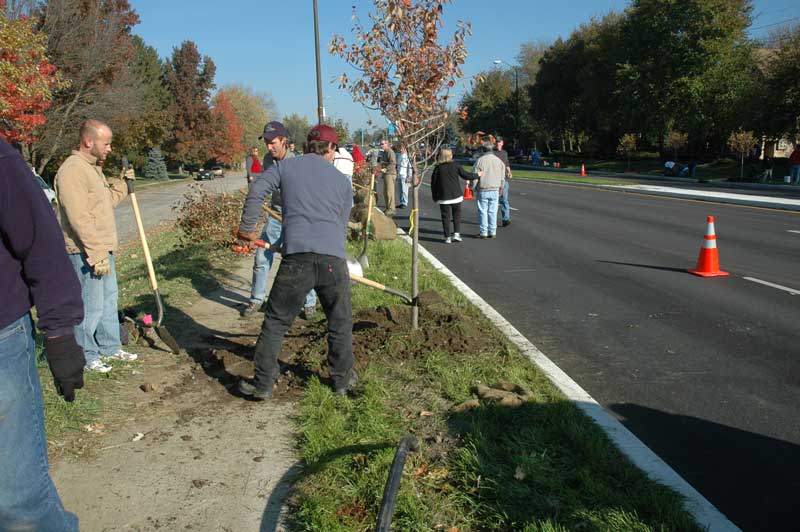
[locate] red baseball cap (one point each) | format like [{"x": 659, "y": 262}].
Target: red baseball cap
[{"x": 323, "y": 133}]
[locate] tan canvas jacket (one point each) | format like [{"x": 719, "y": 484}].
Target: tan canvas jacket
[{"x": 86, "y": 201}]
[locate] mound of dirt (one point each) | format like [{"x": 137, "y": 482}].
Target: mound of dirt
[{"x": 383, "y": 332}]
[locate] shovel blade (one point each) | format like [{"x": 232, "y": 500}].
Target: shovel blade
[{"x": 168, "y": 339}]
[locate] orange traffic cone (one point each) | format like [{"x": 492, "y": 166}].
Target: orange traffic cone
[
  {"x": 583, "y": 170},
  {"x": 468, "y": 195},
  {"x": 708, "y": 261}
]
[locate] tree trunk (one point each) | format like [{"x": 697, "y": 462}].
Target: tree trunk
[
  {"x": 741, "y": 168},
  {"x": 415, "y": 246}
]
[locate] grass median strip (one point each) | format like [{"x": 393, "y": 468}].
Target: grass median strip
[{"x": 539, "y": 465}]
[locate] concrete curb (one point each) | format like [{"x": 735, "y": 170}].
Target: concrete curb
[{"x": 703, "y": 511}]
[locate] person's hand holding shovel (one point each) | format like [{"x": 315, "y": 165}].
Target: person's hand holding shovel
[{"x": 102, "y": 267}]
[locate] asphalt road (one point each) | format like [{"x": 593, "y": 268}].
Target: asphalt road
[
  {"x": 705, "y": 371},
  {"x": 156, "y": 203}
]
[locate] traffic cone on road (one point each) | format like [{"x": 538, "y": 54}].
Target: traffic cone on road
[
  {"x": 583, "y": 170},
  {"x": 468, "y": 195},
  {"x": 708, "y": 261}
]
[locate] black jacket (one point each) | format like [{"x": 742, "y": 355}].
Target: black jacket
[
  {"x": 445, "y": 182},
  {"x": 34, "y": 268}
]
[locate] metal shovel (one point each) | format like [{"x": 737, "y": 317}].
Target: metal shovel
[{"x": 161, "y": 330}]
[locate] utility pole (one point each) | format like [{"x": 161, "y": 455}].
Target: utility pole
[{"x": 320, "y": 105}]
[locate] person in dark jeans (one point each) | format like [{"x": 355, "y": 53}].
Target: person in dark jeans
[
  {"x": 34, "y": 271},
  {"x": 317, "y": 199},
  {"x": 448, "y": 191}
]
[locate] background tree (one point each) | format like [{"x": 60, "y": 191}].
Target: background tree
[
  {"x": 190, "y": 79},
  {"x": 155, "y": 168},
  {"x": 151, "y": 125},
  {"x": 227, "y": 146},
  {"x": 742, "y": 142},
  {"x": 253, "y": 109},
  {"x": 406, "y": 74},
  {"x": 90, "y": 44},
  {"x": 626, "y": 147},
  {"x": 780, "y": 104},
  {"x": 28, "y": 81},
  {"x": 341, "y": 129},
  {"x": 298, "y": 127}
]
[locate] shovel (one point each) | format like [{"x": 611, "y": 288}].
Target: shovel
[
  {"x": 161, "y": 330},
  {"x": 354, "y": 267},
  {"x": 362, "y": 259}
]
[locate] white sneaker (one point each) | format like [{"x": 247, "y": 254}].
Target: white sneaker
[
  {"x": 99, "y": 366},
  {"x": 123, "y": 355},
  {"x": 456, "y": 237},
  {"x": 447, "y": 240}
]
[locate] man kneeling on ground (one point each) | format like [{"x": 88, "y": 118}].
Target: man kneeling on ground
[{"x": 317, "y": 199}]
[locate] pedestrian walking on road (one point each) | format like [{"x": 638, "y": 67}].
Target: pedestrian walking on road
[
  {"x": 86, "y": 201},
  {"x": 448, "y": 191},
  {"x": 34, "y": 270},
  {"x": 491, "y": 171},
  {"x": 505, "y": 207},
  {"x": 388, "y": 169},
  {"x": 274, "y": 137},
  {"x": 794, "y": 162},
  {"x": 404, "y": 173},
  {"x": 318, "y": 199}
]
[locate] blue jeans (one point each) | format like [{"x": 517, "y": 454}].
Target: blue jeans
[
  {"x": 98, "y": 333},
  {"x": 28, "y": 497},
  {"x": 273, "y": 235},
  {"x": 402, "y": 191},
  {"x": 487, "y": 211},
  {"x": 505, "y": 208},
  {"x": 795, "y": 173}
]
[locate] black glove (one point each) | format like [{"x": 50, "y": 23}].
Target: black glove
[{"x": 66, "y": 361}]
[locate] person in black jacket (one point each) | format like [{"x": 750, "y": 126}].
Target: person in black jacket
[
  {"x": 34, "y": 271},
  {"x": 448, "y": 192}
]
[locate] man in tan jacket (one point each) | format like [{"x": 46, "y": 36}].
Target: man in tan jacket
[{"x": 86, "y": 202}]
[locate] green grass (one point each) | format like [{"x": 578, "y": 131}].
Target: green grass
[
  {"x": 182, "y": 273},
  {"x": 142, "y": 183},
  {"x": 542, "y": 466}
]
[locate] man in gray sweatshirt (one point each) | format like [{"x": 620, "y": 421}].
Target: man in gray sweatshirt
[
  {"x": 317, "y": 199},
  {"x": 492, "y": 172}
]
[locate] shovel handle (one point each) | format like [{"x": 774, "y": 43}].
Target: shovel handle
[{"x": 148, "y": 260}]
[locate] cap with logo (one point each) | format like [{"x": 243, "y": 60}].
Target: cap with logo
[{"x": 273, "y": 130}]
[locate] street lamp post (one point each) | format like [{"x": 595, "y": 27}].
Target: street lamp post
[{"x": 516, "y": 97}]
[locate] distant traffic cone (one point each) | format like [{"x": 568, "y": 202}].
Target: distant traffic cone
[
  {"x": 468, "y": 195},
  {"x": 583, "y": 170},
  {"x": 708, "y": 261}
]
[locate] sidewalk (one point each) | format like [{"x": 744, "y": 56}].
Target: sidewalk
[{"x": 750, "y": 200}]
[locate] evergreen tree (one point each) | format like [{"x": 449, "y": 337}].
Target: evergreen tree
[{"x": 156, "y": 167}]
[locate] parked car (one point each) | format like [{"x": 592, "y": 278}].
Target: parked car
[
  {"x": 204, "y": 174},
  {"x": 48, "y": 192},
  {"x": 218, "y": 171}
]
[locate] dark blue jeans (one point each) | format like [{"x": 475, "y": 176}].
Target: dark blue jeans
[
  {"x": 28, "y": 498},
  {"x": 297, "y": 274}
]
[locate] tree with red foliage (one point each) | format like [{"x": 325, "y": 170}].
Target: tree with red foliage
[
  {"x": 28, "y": 79},
  {"x": 227, "y": 147}
]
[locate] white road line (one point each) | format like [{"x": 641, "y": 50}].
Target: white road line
[
  {"x": 792, "y": 231},
  {"x": 773, "y": 285},
  {"x": 513, "y": 209},
  {"x": 645, "y": 459}
]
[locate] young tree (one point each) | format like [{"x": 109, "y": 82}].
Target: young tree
[
  {"x": 227, "y": 146},
  {"x": 627, "y": 146},
  {"x": 190, "y": 79},
  {"x": 28, "y": 80},
  {"x": 675, "y": 140},
  {"x": 742, "y": 142},
  {"x": 406, "y": 74}
]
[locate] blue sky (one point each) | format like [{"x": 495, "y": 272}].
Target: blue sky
[{"x": 269, "y": 46}]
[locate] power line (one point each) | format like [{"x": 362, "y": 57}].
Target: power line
[{"x": 775, "y": 23}]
